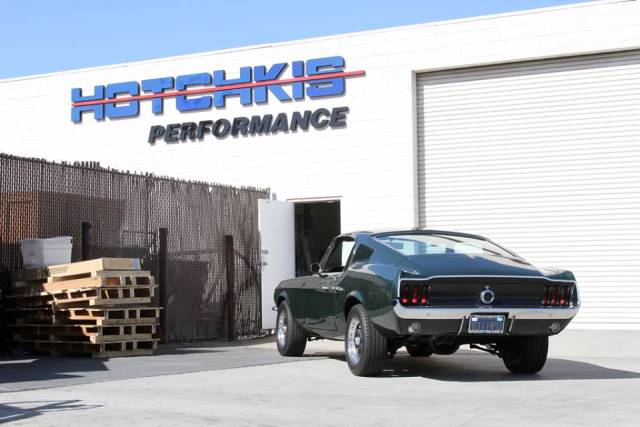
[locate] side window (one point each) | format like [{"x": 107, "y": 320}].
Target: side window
[
  {"x": 339, "y": 256},
  {"x": 363, "y": 254}
]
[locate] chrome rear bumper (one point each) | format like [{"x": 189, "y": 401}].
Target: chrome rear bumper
[{"x": 442, "y": 313}]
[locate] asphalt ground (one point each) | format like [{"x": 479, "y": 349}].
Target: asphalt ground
[{"x": 591, "y": 378}]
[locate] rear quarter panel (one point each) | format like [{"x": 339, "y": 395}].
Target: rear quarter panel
[{"x": 373, "y": 286}]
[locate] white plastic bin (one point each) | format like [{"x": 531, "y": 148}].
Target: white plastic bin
[{"x": 38, "y": 253}]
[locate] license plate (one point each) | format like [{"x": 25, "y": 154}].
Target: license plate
[{"x": 487, "y": 323}]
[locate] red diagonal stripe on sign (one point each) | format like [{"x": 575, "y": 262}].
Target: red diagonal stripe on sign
[{"x": 219, "y": 88}]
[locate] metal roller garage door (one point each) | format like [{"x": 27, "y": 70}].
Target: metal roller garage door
[{"x": 543, "y": 157}]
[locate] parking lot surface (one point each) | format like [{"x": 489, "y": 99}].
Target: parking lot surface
[{"x": 591, "y": 378}]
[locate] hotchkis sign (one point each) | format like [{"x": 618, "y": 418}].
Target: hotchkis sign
[
  {"x": 255, "y": 125},
  {"x": 313, "y": 78}
]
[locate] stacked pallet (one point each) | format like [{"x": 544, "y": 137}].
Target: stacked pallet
[
  {"x": 98, "y": 307},
  {"x": 27, "y": 303}
]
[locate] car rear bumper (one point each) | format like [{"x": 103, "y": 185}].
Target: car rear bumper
[
  {"x": 455, "y": 321},
  {"x": 418, "y": 313}
]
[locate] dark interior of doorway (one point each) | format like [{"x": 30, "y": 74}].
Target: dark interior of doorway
[{"x": 316, "y": 224}]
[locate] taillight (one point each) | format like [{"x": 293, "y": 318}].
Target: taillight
[
  {"x": 415, "y": 290},
  {"x": 404, "y": 298},
  {"x": 557, "y": 295},
  {"x": 413, "y": 293},
  {"x": 563, "y": 300},
  {"x": 424, "y": 295}
]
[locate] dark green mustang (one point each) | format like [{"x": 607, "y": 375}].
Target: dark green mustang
[{"x": 429, "y": 291}]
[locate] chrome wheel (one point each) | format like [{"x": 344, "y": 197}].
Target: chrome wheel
[
  {"x": 281, "y": 329},
  {"x": 354, "y": 341},
  {"x": 365, "y": 348}
]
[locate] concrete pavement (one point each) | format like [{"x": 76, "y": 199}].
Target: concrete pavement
[{"x": 215, "y": 384}]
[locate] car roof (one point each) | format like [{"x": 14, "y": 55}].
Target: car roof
[{"x": 388, "y": 232}]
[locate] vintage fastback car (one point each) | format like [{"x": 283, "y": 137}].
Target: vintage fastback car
[{"x": 429, "y": 291}]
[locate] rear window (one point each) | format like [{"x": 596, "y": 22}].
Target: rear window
[{"x": 438, "y": 244}]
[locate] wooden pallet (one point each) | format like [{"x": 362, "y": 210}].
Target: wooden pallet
[
  {"x": 100, "y": 279},
  {"x": 22, "y": 278},
  {"x": 88, "y": 267},
  {"x": 39, "y": 301},
  {"x": 110, "y": 349},
  {"x": 101, "y": 273},
  {"x": 115, "y": 295},
  {"x": 83, "y": 333},
  {"x": 30, "y": 315},
  {"x": 108, "y": 316},
  {"x": 27, "y": 289},
  {"x": 110, "y": 280},
  {"x": 92, "y": 308},
  {"x": 26, "y": 295}
]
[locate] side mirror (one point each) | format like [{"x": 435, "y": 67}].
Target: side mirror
[{"x": 315, "y": 268}]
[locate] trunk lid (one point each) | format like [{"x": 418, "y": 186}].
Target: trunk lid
[{"x": 472, "y": 265}]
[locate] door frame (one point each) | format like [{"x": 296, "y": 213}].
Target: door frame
[
  {"x": 311, "y": 200},
  {"x": 315, "y": 199}
]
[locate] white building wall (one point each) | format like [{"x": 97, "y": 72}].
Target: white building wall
[{"x": 369, "y": 165}]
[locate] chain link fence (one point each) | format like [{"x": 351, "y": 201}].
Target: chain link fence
[{"x": 40, "y": 199}]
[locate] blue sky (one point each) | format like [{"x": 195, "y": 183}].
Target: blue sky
[{"x": 45, "y": 36}]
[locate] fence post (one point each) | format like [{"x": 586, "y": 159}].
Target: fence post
[
  {"x": 162, "y": 282},
  {"x": 86, "y": 241},
  {"x": 231, "y": 296}
]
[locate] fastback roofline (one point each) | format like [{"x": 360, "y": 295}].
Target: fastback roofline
[{"x": 421, "y": 231}]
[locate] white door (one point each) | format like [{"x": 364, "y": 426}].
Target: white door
[{"x": 277, "y": 249}]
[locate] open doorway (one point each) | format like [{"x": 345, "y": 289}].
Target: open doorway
[{"x": 316, "y": 224}]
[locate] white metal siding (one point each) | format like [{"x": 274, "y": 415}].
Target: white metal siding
[{"x": 543, "y": 157}]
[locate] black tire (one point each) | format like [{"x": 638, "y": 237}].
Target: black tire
[
  {"x": 293, "y": 340},
  {"x": 526, "y": 355},
  {"x": 418, "y": 350},
  {"x": 367, "y": 358}
]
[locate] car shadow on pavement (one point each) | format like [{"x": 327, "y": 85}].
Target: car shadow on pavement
[
  {"x": 17, "y": 411},
  {"x": 473, "y": 366},
  {"x": 469, "y": 367}
]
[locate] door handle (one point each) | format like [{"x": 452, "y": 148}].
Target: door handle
[{"x": 324, "y": 287}]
